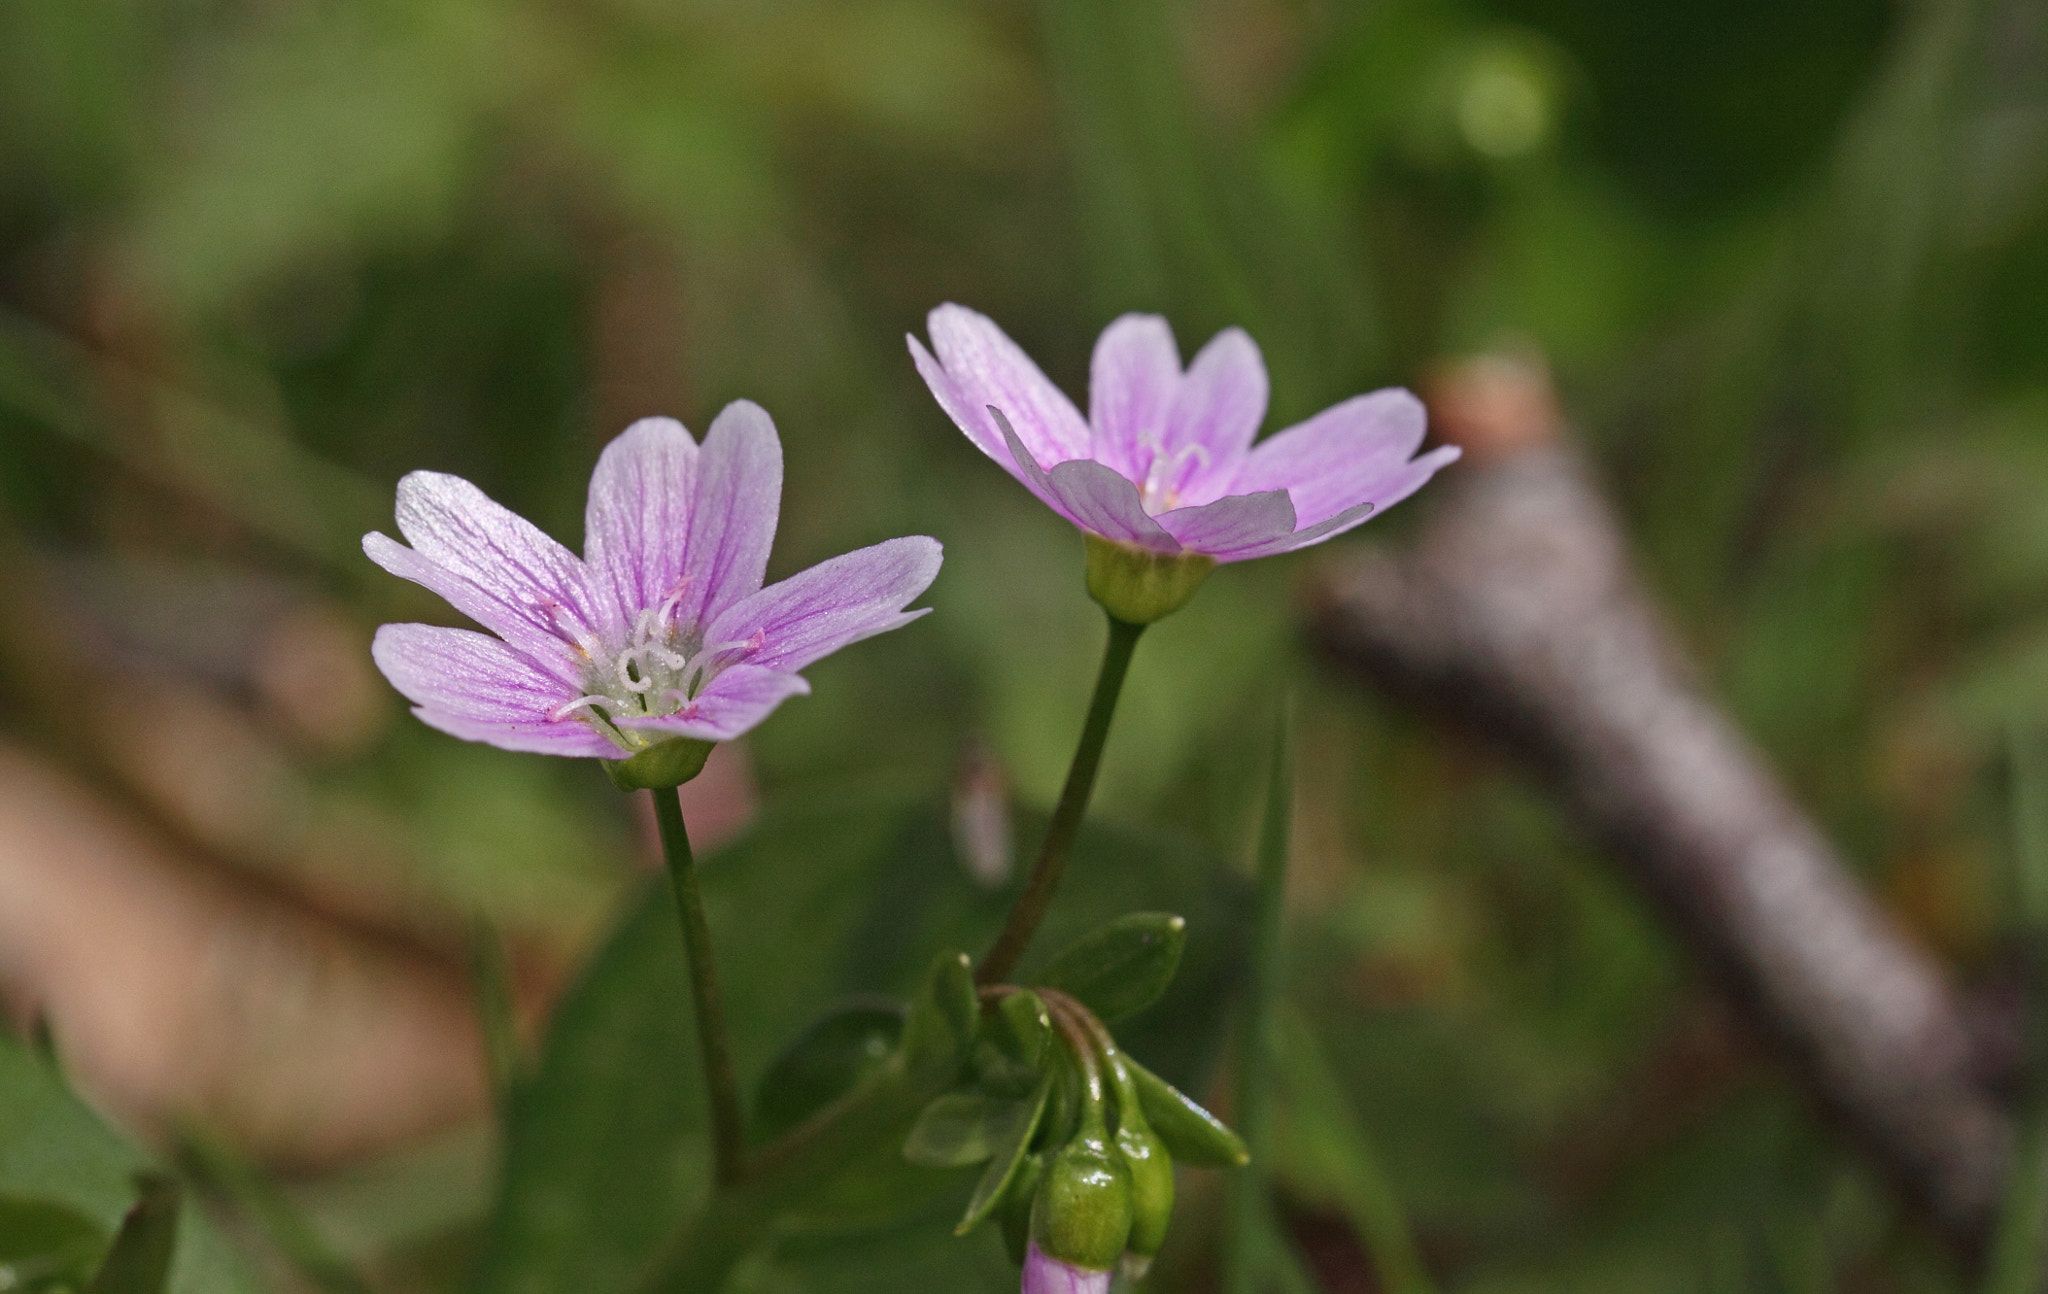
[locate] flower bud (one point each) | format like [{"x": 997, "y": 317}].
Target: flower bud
[
  {"x": 1151, "y": 1173},
  {"x": 1082, "y": 1213},
  {"x": 1138, "y": 586}
]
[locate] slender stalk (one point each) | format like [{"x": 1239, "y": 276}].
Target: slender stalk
[
  {"x": 728, "y": 1122},
  {"x": 1030, "y": 906},
  {"x": 1250, "y": 1217}
]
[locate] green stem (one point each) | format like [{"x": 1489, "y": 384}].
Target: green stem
[
  {"x": 728, "y": 1121},
  {"x": 1030, "y": 907}
]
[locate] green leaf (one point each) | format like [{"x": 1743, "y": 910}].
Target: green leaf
[
  {"x": 1122, "y": 967},
  {"x": 960, "y": 1128},
  {"x": 42, "y": 1242},
  {"x": 838, "y": 1050},
  {"x": 1008, "y": 1152},
  {"x": 1026, "y": 1030},
  {"x": 606, "y": 1145},
  {"x": 1193, "y": 1136},
  {"x": 944, "y": 1018},
  {"x": 53, "y": 1148},
  {"x": 140, "y": 1260}
]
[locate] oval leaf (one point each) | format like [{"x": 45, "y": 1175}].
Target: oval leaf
[
  {"x": 140, "y": 1260},
  {"x": 958, "y": 1129},
  {"x": 832, "y": 1054},
  {"x": 1121, "y": 967},
  {"x": 1026, "y": 1029},
  {"x": 1003, "y": 1163},
  {"x": 944, "y": 1018},
  {"x": 1192, "y": 1135}
]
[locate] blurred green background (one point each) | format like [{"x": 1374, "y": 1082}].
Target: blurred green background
[{"x": 1789, "y": 264}]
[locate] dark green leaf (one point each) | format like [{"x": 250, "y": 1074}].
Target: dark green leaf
[
  {"x": 1122, "y": 967},
  {"x": 840, "y": 1048},
  {"x": 944, "y": 1018},
  {"x": 140, "y": 1260},
  {"x": 960, "y": 1128},
  {"x": 1008, "y": 1153},
  {"x": 1193, "y": 1136},
  {"x": 1026, "y": 1028},
  {"x": 41, "y": 1241}
]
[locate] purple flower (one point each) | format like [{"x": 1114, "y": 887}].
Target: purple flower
[
  {"x": 1047, "y": 1275},
  {"x": 661, "y": 629},
  {"x": 1164, "y": 462}
]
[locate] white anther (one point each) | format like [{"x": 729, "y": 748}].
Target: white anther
[{"x": 592, "y": 700}]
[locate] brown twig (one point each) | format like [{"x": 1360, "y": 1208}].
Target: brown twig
[{"x": 1517, "y": 613}]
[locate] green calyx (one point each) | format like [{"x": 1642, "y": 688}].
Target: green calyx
[
  {"x": 1081, "y": 1214},
  {"x": 660, "y": 766},
  {"x": 1138, "y": 586},
  {"x": 1151, "y": 1172}
]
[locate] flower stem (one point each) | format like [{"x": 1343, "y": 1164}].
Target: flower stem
[
  {"x": 1030, "y": 907},
  {"x": 728, "y": 1123}
]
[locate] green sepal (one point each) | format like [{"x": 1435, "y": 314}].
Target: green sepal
[
  {"x": 1121, "y": 967},
  {"x": 42, "y": 1242},
  {"x": 1138, "y": 586},
  {"x": 961, "y": 1128},
  {"x": 828, "y": 1059},
  {"x": 1191, "y": 1134},
  {"x": 660, "y": 766},
  {"x": 999, "y": 1181},
  {"x": 1082, "y": 1211},
  {"x": 1151, "y": 1170},
  {"x": 1026, "y": 1028},
  {"x": 140, "y": 1260},
  {"x": 943, "y": 1020},
  {"x": 1015, "y": 1205}
]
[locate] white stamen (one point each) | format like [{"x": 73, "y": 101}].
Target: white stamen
[{"x": 591, "y": 700}]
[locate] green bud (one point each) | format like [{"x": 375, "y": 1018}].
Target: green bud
[
  {"x": 660, "y": 766},
  {"x": 1082, "y": 1212},
  {"x": 1015, "y": 1208},
  {"x": 1138, "y": 586},
  {"x": 1151, "y": 1174}
]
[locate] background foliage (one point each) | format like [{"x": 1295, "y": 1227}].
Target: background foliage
[{"x": 1789, "y": 263}]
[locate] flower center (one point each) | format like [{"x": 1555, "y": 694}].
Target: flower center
[
  {"x": 1160, "y": 489},
  {"x": 657, "y": 672}
]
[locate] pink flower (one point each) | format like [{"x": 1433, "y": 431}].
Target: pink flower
[
  {"x": 661, "y": 629},
  {"x": 1165, "y": 462},
  {"x": 1047, "y": 1275}
]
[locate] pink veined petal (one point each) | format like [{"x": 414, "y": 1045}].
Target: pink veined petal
[
  {"x": 1390, "y": 490},
  {"x": 1044, "y": 1274},
  {"x": 814, "y": 613},
  {"x": 1131, "y": 385},
  {"x": 736, "y": 698},
  {"x": 473, "y": 686},
  {"x": 1088, "y": 494},
  {"x": 638, "y": 516},
  {"x": 1232, "y": 523},
  {"x": 967, "y": 415},
  {"x": 1341, "y": 457},
  {"x": 492, "y": 565},
  {"x": 1215, "y": 415},
  {"x": 989, "y": 368},
  {"x": 732, "y": 525}
]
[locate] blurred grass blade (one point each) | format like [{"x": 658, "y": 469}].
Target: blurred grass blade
[
  {"x": 1248, "y": 1258},
  {"x": 2015, "y": 1263},
  {"x": 220, "y": 1169},
  {"x": 140, "y": 1260}
]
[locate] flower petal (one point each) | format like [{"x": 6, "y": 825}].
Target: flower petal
[
  {"x": 492, "y": 565},
  {"x": 1131, "y": 385},
  {"x": 638, "y": 515},
  {"x": 1391, "y": 489},
  {"x": 732, "y": 525},
  {"x": 1231, "y": 524},
  {"x": 1350, "y": 453},
  {"x": 1044, "y": 1274},
  {"x": 1215, "y": 415},
  {"x": 736, "y": 698},
  {"x": 473, "y": 686},
  {"x": 814, "y": 613},
  {"x": 1088, "y": 494},
  {"x": 988, "y": 368}
]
